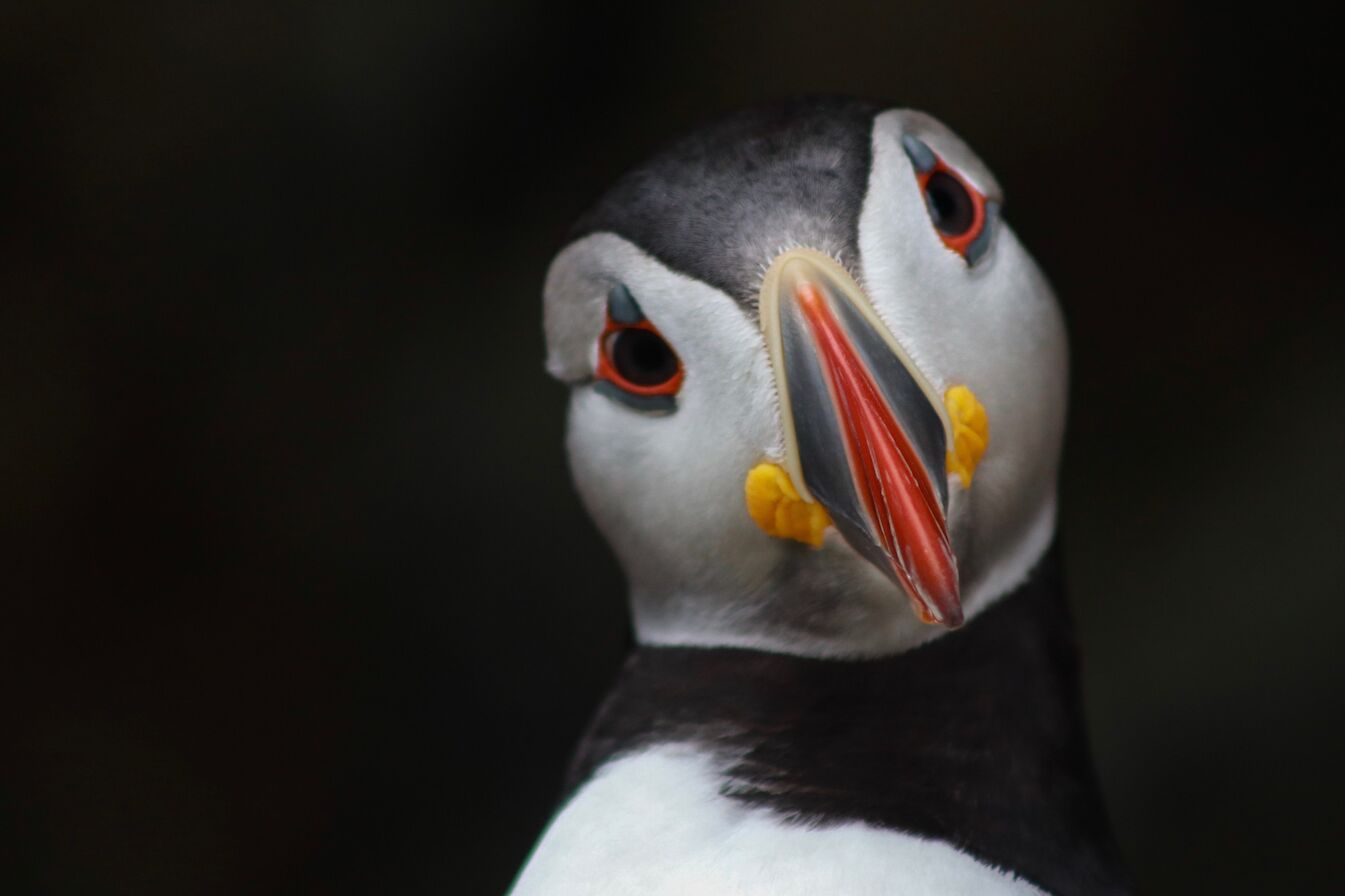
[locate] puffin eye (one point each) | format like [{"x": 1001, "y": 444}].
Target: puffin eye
[
  {"x": 641, "y": 357},
  {"x": 950, "y": 205},
  {"x": 636, "y": 365},
  {"x": 962, "y": 216}
]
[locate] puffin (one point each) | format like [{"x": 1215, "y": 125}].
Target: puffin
[{"x": 817, "y": 396}]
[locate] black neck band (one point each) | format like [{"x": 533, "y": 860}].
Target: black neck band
[{"x": 976, "y": 738}]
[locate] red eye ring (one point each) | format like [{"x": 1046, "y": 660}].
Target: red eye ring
[
  {"x": 625, "y": 351},
  {"x": 940, "y": 173}
]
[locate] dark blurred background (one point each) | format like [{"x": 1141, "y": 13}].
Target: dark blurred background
[{"x": 296, "y": 594}]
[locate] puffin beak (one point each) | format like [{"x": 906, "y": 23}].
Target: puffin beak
[{"x": 866, "y": 436}]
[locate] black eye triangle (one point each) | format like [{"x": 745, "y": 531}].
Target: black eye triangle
[
  {"x": 622, "y": 307},
  {"x": 922, "y": 157}
]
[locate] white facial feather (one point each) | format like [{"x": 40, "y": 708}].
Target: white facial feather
[
  {"x": 994, "y": 327},
  {"x": 667, "y": 491}
]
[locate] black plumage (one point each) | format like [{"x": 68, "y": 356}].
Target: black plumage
[
  {"x": 976, "y": 738},
  {"x": 719, "y": 204}
]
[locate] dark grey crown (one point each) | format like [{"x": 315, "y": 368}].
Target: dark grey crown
[{"x": 720, "y": 203}]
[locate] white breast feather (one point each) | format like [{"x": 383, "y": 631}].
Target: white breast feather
[{"x": 654, "y": 824}]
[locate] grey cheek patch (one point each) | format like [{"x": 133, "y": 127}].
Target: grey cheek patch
[
  {"x": 981, "y": 244},
  {"x": 650, "y": 404},
  {"x": 922, "y": 157},
  {"x": 622, "y": 307}
]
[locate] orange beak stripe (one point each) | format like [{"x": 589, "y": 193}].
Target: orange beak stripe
[{"x": 898, "y": 497}]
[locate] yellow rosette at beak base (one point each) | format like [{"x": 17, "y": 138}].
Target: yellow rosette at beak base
[
  {"x": 776, "y": 506},
  {"x": 971, "y": 432}
]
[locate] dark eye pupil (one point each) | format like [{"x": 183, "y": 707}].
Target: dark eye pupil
[
  {"x": 643, "y": 358},
  {"x": 950, "y": 204}
]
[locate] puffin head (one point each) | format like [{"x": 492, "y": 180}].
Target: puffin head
[{"x": 817, "y": 385}]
